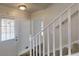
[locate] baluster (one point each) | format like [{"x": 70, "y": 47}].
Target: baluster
[
  {"x": 43, "y": 45},
  {"x": 48, "y": 41},
  {"x": 36, "y": 47},
  {"x": 33, "y": 48},
  {"x": 60, "y": 36},
  {"x": 78, "y": 20},
  {"x": 69, "y": 32},
  {"x": 30, "y": 46},
  {"x": 53, "y": 40},
  {"x": 39, "y": 46}
]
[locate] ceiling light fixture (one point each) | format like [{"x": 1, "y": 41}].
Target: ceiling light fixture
[{"x": 22, "y": 7}]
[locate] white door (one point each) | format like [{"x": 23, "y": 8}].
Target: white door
[{"x": 8, "y": 43}]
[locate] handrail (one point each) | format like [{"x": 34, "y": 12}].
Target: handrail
[{"x": 52, "y": 21}]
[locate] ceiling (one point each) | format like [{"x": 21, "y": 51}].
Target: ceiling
[{"x": 31, "y": 7}]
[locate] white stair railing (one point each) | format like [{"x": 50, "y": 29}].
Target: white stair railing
[
  {"x": 43, "y": 45},
  {"x": 53, "y": 40},
  {"x": 60, "y": 37},
  {"x": 69, "y": 31},
  {"x": 39, "y": 45},
  {"x": 36, "y": 47},
  {"x": 39, "y": 40},
  {"x": 48, "y": 41}
]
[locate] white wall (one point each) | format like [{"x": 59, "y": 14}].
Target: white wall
[
  {"x": 22, "y": 30},
  {"x": 24, "y": 34},
  {"x": 47, "y": 15}
]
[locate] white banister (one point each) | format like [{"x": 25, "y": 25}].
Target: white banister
[
  {"x": 78, "y": 20},
  {"x": 69, "y": 32},
  {"x": 36, "y": 47},
  {"x": 60, "y": 36},
  {"x": 48, "y": 41},
  {"x": 39, "y": 45},
  {"x": 38, "y": 36},
  {"x": 33, "y": 48},
  {"x": 43, "y": 45},
  {"x": 53, "y": 40},
  {"x": 30, "y": 46}
]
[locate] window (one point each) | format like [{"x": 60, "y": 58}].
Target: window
[{"x": 7, "y": 29}]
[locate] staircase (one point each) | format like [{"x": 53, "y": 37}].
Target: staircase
[
  {"x": 74, "y": 49},
  {"x": 62, "y": 40}
]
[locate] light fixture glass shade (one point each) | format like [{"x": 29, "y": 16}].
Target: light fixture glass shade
[{"x": 22, "y": 7}]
